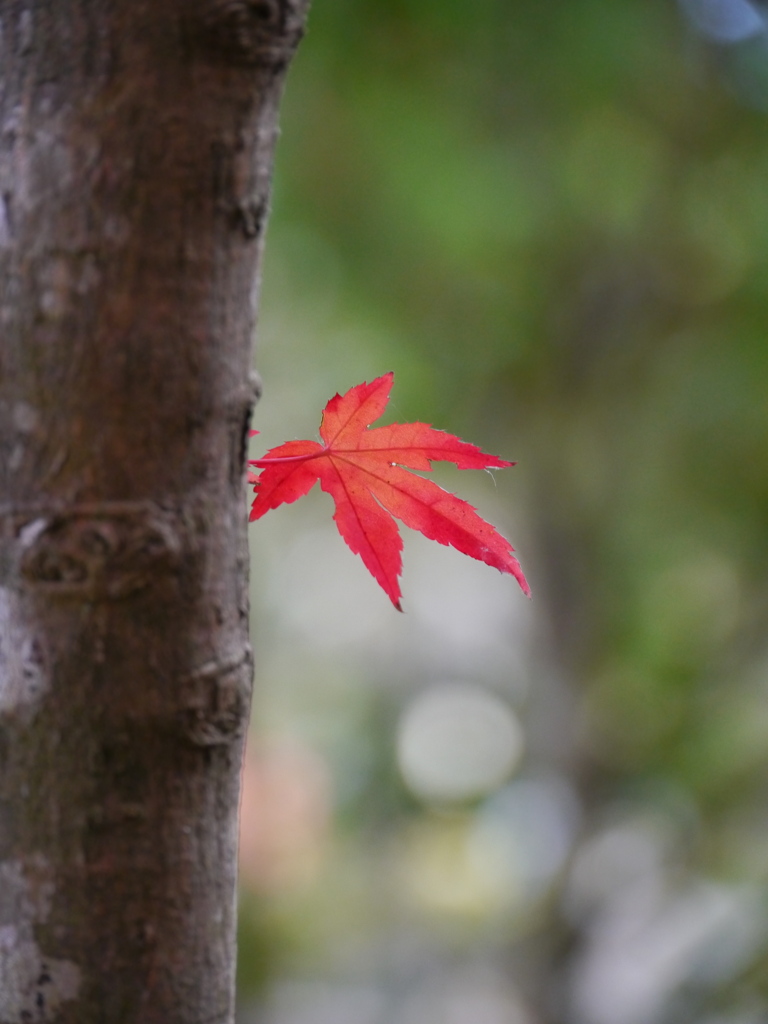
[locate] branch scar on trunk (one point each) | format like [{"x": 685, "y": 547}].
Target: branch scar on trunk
[{"x": 101, "y": 550}]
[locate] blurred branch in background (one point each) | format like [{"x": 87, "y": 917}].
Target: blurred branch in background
[{"x": 551, "y": 221}]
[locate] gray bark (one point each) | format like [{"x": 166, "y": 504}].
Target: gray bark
[{"x": 136, "y": 142}]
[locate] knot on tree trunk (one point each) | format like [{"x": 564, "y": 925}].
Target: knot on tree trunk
[
  {"x": 216, "y": 701},
  {"x": 252, "y": 33},
  {"x": 97, "y": 551}
]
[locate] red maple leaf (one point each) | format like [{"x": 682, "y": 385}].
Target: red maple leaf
[{"x": 362, "y": 470}]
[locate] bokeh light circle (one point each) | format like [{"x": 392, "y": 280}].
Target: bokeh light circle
[{"x": 457, "y": 742}]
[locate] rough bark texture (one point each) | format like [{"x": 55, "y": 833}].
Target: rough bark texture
[{"x": 135, "y": 155}]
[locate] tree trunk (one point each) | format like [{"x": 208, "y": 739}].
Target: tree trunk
[{"x": 135, "y": 156}]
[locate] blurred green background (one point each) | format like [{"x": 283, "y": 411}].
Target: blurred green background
[{"x": 551, "y": 221}]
